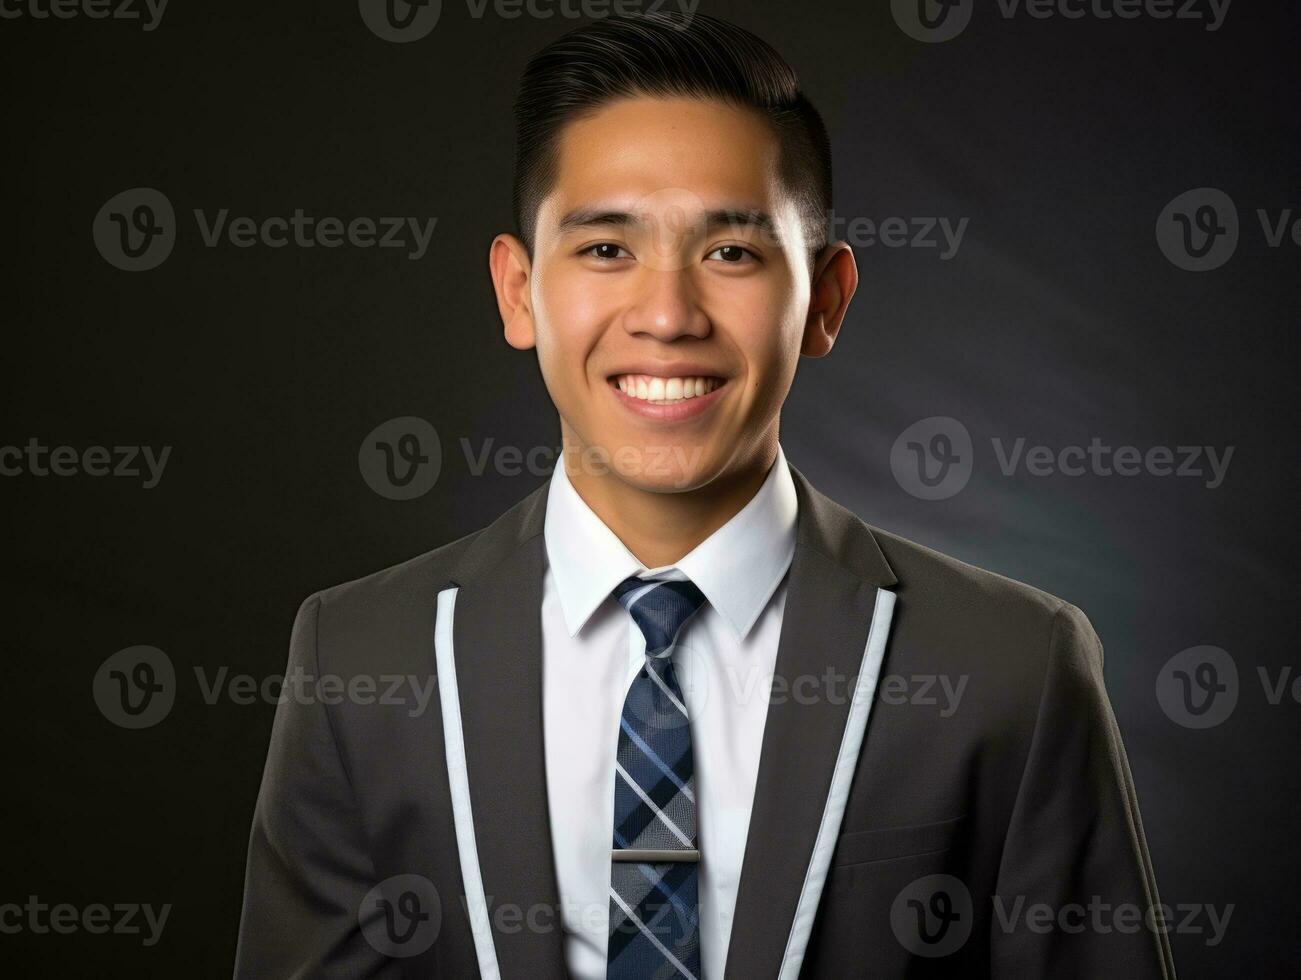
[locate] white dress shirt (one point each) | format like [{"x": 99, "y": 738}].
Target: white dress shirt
[{"x": 726, "y": 655}]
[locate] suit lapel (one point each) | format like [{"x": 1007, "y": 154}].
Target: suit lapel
[
  {"x": 498, "y": 654},
  {"x": 835, "y": 575},
  {"x": 834, "y": 578}
]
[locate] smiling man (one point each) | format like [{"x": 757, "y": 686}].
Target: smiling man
[{"x": 683, "y": 727}]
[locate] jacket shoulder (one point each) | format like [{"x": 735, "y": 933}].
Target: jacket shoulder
[
  {"x": 429, "y": 573},
  {"x": 430, "y": 570},
  {"x": 916, "y": 563},
  {"x": 974, "y": 601}
]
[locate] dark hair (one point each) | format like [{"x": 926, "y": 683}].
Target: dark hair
[{"x": 669, "y": 55}]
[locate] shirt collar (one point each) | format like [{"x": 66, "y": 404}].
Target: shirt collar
[{"x": 738, "y": 567}]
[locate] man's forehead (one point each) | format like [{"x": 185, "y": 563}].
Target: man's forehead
[{"x": 648, "y": 155}]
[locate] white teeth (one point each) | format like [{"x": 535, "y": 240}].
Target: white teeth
[{"x": 664, "y": 390}]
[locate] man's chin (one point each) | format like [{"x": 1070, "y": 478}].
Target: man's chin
[{"x": 667, "y": 468}]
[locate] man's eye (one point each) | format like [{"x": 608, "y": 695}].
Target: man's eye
[
  {"x": 730, "y": 253},
  {"x": 606, "y": 250}
]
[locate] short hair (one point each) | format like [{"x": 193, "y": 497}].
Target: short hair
[{"x": 666, "y": 55}]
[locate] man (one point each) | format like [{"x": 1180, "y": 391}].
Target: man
[{"x": 673, "y": 734}]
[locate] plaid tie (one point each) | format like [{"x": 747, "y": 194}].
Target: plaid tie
[{"x": 654, "y": 917}]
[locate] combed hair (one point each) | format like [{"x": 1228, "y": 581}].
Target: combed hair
[{"x": 666, "y": 55}]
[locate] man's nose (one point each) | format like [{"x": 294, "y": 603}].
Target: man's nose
[{"x": 667, "y": 306}]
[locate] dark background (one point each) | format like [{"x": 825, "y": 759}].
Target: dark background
[{"x": 1059, "y": 320}]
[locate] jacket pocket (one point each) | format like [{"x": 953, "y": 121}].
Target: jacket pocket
[{"x": 888, "y": 843}]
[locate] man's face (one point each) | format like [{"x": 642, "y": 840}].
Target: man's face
[{"x": 669, "y": 290}]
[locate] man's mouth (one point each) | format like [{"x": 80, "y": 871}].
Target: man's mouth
[{"x": 664, "y": 391}]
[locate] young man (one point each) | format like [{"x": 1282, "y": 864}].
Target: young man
[{"x": 669, "y": 739}]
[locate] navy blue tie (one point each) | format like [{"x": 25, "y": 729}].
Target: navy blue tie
[{"x": 654, "y": 907}]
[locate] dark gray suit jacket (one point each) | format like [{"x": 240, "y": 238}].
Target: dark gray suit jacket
[{"x": 992, "y": 834}]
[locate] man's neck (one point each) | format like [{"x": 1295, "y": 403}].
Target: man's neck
[{"x": 658, "y": 527}]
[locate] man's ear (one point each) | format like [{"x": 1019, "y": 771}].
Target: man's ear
[
  {"x": 835, "y": 280},
  {"x": 508, "y": 261}
]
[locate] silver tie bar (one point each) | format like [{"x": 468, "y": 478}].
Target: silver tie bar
[{"x": 643, "y": 855}]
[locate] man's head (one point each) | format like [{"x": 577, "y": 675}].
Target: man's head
[{"x": 671, "y": 192}]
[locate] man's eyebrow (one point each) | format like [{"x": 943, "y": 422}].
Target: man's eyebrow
[
  {"x": 751, "y": 218},
  {"x": 587, "y": 217}
]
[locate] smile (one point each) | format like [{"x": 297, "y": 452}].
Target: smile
[
  {"x": 665, "y": 400},
  {"x": 664, "y": 391}
]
